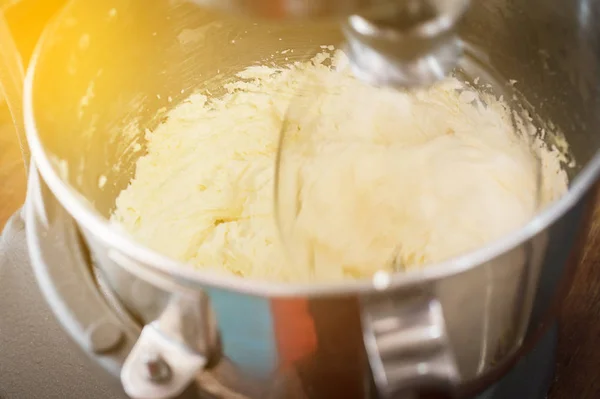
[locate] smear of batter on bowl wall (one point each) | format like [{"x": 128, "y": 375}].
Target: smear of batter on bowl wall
[{"x": 426, "y": 175}]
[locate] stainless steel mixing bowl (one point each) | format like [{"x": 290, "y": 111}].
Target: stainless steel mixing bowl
[{"x": 106, "y": 71}]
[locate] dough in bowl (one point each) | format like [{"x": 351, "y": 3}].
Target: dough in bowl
[{"x": 374, "y": 179}]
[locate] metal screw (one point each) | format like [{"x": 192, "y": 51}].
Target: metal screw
[{"x": 157, "y": 369}]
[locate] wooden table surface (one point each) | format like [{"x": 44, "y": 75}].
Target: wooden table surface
[
  {"x": 578, "y": 369},
  {"x": 12, "y": 170}
]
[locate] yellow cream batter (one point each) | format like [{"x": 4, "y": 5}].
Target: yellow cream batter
[{"x": 386, "y": 179}]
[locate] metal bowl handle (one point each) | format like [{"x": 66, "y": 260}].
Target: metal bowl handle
[
  {"x": 171, "y": 350},
  {"x": 407, "y": 345}
]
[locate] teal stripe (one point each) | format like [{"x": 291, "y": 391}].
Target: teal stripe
[{"x": 246, "y": 327}]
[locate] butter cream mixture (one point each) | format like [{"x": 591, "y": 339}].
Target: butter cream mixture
[{"x": 373, "y": 179}]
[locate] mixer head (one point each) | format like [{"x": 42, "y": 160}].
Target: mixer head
[{"x": 397, "y": 43}]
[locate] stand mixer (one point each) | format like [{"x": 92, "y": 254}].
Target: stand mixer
[{"x": 104, "y": 73}]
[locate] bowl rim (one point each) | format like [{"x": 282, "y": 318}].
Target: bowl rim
[{"x": 146, "y": 262}]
